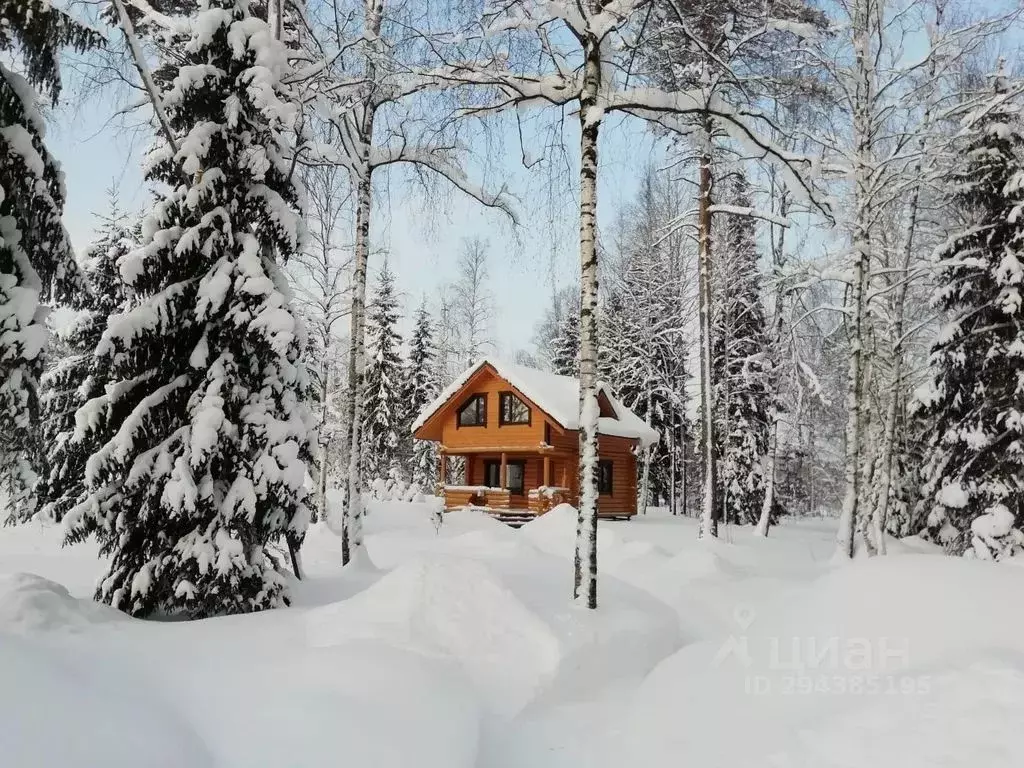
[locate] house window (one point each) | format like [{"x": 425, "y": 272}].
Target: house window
[
  {"x": 473, "y": 412},
  {"x": 513, "y": 410},
  {"x": 604, "y": 477}
]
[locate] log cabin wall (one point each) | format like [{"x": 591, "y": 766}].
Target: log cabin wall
[
  {"x": 622, "y": 500},
  {"x": 492, "y": 434}
]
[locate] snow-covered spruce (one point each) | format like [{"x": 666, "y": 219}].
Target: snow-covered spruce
[
  {"x": 743, "y": 398},
  {"x": 383, "y": 411},
  {"x": 208, "y": 463},
  {"x": 565, "y": 347},
  {"x": 972, "y": 409},
  {"x": 79, "y": 376},
  {"x": 421, "y": 387},
  {"x": 36, "y": 262}
]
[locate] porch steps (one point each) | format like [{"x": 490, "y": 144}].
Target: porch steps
[{"x": 515, "y": 518}]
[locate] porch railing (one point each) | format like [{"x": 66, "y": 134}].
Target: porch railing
[
  {"x": 540, "y": 500},
  {"x": 474, "y": 496}
]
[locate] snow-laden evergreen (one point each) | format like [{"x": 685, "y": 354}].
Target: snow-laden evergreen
[
  {"x": 644, "y": 355},
  {"x": 208, "y": 464},
  {"x": 974, "y": 466},
  {"x": 565, "y": 347},
  {"x": 383, "y": 407},
  {"x": 79, "y": 375},
  {"x": 36, "y": 261},
  {"x": 744, "y": 396},
  {"x": 420, "y": 388}
]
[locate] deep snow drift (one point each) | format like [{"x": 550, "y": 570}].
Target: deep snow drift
[{"x": 461, "y": 647}]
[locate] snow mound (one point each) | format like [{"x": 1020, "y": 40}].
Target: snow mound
[
  {"x": 862, "y": 634},
  {"x": 970, "y": 716},
  {"x": 54, "y": 714},
  {"x": 487, "y": 544},
  {"x": 30, "y": 603},
  {"x": 554, "y": 532},
  {"x": 700, "y": 563},
  {"x": 360, "y": 704},
  {"x": 456, "y": 608}
]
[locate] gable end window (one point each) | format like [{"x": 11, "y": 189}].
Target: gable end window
[
  {"x": 604, "y": 477},
  {"x": 513, "y": 410},
  {"x": 473, "y": 412}
]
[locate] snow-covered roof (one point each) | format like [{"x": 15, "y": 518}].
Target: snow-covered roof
[{"x": 557, "y": 396}]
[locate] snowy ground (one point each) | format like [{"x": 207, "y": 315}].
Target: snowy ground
[{"x": 460, "y": 648}]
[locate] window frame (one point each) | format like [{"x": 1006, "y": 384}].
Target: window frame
[
  {"x": 601, "y": 465},
  {"x": 481, "y": 396},
  {"x": 501, "y": 410}
]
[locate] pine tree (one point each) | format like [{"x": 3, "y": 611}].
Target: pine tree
[
  {"x": 78, "y": 375},
  {"x": 36, "y": 260},
  {"x": 421, "y": 388},
  {"x": 208, "y": 462},
  {"x": 974, "y": 465},
  {"x": 565, "y": 348},
  {"x": 744, "y": 396},
  {"x": 383, "y": 409}
]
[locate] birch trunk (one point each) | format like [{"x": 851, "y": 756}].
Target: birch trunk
[
  {"x": 683, "y": 489},
  {"x": 324, "y": 446},
  {"x": 645, "y": 482},
  {"x": 764, "y": 521},
  {"x": 863, "y": 99},
  {"x": 351, "y": 523},
  {"x": 352, "y": 513},
  {"x": 710, "y": 507},
  {"x": 880, "y": 513},
  {"x": 585, "y": 591},
  {"x": 772, "y": 459}
]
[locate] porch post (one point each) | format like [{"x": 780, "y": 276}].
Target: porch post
[
  {"x": 547, "y": 471},
  {"x": 503, "y": 477},
  {"x": 441, "y": 466}
]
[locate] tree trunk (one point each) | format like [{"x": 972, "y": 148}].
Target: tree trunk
[
  {"x": 683, "y": 487},
  {"x": 352, "y": 515},
  {"x": 863, "y": 97},
  {"x": 586, "y": 524},
  {"x": 324, "y": 452},
  {"x": 710, "y": 507},
  {"x": 765, "y": 519},
  {"x": 645, "y": 483},
  {"x": 772, "y": 459},
  {"x": 351, "y": 525}
]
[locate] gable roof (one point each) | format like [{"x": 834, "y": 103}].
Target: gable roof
[{"x": 557, "y": 396}]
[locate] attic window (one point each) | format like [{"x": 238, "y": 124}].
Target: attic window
[
  {"x": 607, "y": 412},
  {"x": 513, "y": 410},
  {"x": 473, "y": 412}
]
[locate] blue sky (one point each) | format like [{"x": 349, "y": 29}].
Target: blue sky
[{"x": 422, "y": 237}]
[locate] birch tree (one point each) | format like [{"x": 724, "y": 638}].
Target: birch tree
[
  {"x": 579, "y": 54},
  {"x": 471, "y": 304},
  {"x": 319, "y": 282},
  {"x": 885, "y": 147},
  {"x": 373, "y": 79},
  {"x": 721, "y": 52}
]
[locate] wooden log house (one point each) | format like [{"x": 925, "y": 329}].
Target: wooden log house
[{"x": 516, "y": 429}]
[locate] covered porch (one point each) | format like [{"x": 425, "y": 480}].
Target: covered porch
[{"x": 526, "y": 481}]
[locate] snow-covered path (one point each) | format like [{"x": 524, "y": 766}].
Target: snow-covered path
[{"x": 461, "y": 648}]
